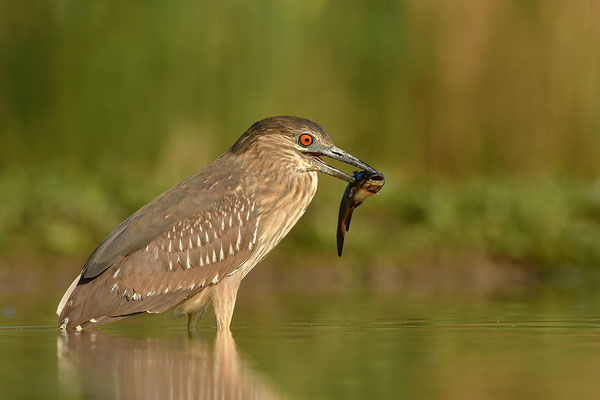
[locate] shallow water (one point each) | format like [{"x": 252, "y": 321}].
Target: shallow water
[{"x": 292, "y": 345}]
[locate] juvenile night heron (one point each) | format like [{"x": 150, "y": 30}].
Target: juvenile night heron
[{"x": 195, "y": 243}]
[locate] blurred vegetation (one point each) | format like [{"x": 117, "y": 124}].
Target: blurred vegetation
[{"x": 484, "y": 116}]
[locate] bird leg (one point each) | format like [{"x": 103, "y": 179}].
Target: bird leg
[
  {"x": 195, "y": 316},
  {"x": 223, "y": 301}
]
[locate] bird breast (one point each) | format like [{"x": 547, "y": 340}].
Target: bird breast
[{"x": 280, "y": 210}]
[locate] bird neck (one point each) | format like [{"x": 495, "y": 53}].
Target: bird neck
[{"x": 283, "y": 189}]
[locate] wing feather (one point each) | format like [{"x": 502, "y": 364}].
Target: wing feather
[
  {"x": 146, "y": 265},
  {"x": 192, "y": 196}
]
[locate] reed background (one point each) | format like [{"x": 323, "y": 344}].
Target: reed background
[{"x": 483, "y": 115}]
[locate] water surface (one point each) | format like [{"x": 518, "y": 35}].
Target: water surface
[{"x": 318, "y": 345}]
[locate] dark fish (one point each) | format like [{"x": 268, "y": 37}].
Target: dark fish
[{"x": 366, "y": 184}]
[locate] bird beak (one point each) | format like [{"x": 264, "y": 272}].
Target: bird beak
[{"x": 340, "y": 155}]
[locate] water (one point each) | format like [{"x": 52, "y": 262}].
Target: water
[{"x": 293, "y": 345}]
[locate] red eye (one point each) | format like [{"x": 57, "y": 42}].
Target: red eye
[{"x": 305, "y": 140}]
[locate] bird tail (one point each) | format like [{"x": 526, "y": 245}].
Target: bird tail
[{"x": 66, "y": 296}]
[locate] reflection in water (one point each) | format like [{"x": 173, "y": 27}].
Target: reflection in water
[{"x": 106, "y": 366}]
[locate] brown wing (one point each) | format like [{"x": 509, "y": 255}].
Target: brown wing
[
  {"x": 193, "y": 253},
  {"x": 200, "y": 192}
]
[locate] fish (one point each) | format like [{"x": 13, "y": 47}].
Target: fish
[{"x": 366, "y": 183}]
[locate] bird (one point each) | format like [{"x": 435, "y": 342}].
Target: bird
[{"x": 192, "y": 245}]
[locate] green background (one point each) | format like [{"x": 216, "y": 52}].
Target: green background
[{"x": 483, "y": 115}]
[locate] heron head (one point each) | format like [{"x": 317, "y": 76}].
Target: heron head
[{"x": 304, "y": 143}]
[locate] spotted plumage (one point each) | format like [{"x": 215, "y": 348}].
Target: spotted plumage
[{"x": 194, "y": 243}]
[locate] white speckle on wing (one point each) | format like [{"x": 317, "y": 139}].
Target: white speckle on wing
[
  {"x": 136, "y": 297},
  {"x": 170, "y": 265},
  {"x": 169, "y": 235},
  {"x": 147, "y": 248},
  {"x": 239, "y": 218},
  {"x": 248, "y": 215},
  {"x": 221, "y": 255},
  {"x": 215, "y": 280},
  {"x": 239, "y": 240},
  {"x": 230, "y": 249},
  {"x": 198, "y": 242},
  {"x": 170, "y": 246},
  {"x": 210, "y": 224},
  {"x": 150, "y": 294},
  {"x": 255, "y": 230},
  {"x": 190, "y": 245},
  {"x": 215, "y": 234},
  {"x": 125, "y": 294},
  {"x": 93, "y": 320},
  {"x": 206, "y": 237},
  {"x": 192, "y": 286},
  {"x": 200, "y": 228},
  {"x": 203, "y": 283},
  {"x": 214, "y": 256},
  {"x": 180, "y": 245},
  {"x": 207, "y": 259},
  {"x": 252, "y": 208},
  {"x": 166, "y": 291},
  {"x": 114, "y": 288},
  {"x": 116, "y": 273},
  {"x": 250, "y": 245},
  {"x": 201, "y": 261},
  {"x": 223, "y": 224},
  {"x": 230, "y": 221},
  {"x": 78, "y": 328},
  {"x": 188, "y": 265}
]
